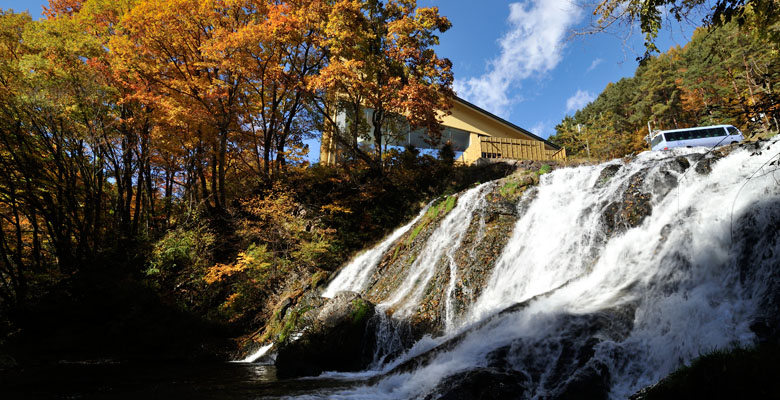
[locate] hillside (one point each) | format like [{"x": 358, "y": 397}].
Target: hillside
[{"x": 722, "y": 76}]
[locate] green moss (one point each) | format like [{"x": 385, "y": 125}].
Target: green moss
[
  {"x": 360, "y": 311},
  {"x": 395, "y": 253},
  {"x": 509, "y": 189},
  {"x": 437, "y": 210},
  {"x": 317, "y": 279},
  {"x": 546, "y": 168},
  {"x": 290, "y": 324},
  {"x": 449, "y": 204},
  {"x": 416, "y": 231}
]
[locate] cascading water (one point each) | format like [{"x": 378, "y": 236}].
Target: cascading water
[
  {"x": 590, "y": 296},
  {"x": 257, "y": 354},
  {"x": 443, "y": 242},
  {"x": 355, "y": 275}
]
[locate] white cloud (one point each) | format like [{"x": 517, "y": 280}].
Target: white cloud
[
  {"x": 539, "y": 128},
  {"x": 579, "y": 100},
  {"x": 594, "y": 64},
  {"x": 533, "y": 45}
]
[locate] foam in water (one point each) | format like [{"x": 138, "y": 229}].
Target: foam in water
[{"x": 638, "y": 303}]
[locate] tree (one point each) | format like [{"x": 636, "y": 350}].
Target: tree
[
  {"x": 758, "y": 15},
  {"x": 723, "y": 76},
  {"x": 53, "y": 211},
  {"x": 381, "y": 59},
  {"x": 173, "y": 45},
  {"x": 277, "y": 55}
]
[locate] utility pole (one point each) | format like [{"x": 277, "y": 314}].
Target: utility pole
[{"x": 587, "y": 142}]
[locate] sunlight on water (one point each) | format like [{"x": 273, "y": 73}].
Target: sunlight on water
[
  {"x": 259, "y": 353},
  {"x": 642, "y": 301},
  {"x": 445, "y": 240}
]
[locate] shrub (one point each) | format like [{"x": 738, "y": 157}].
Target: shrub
[{"x": 180, "y": 250}]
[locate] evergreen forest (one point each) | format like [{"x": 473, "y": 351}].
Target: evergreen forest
[{"x": 725, "y": 75}]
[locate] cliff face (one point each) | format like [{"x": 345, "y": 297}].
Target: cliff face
[{"x": 469, "y": 260}]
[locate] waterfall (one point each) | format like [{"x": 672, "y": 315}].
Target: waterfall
[
  {"x": 354, "y": 276},
  {"x": 444, "y": 241},
  {"x": 577, "y": 297},
  {"x": 257, "y": 354}
]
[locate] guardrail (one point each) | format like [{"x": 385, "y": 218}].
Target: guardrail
[{"x": 518, "y": 149}]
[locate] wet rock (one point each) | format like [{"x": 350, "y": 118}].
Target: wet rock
[
  {"x": 481, "y": 383},
  {"x": 500, "y": 207},
  {"x": 336, "y": 339},
  {"x": 678, "y": 164},
  {"x": 606, "y": 174},
  {"x": 757, "y": 246},
  {"x": 632, "y": 209},
  {"x": 591, "y": 382},
  {"x": 663, "y": 183},
  {"x": 667, "y": 177},
  {"x": 285, "y": 305},
  {"x": 704, "y": 165}
]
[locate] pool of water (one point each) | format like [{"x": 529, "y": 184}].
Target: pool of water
[{"x": 110, "y": 380}]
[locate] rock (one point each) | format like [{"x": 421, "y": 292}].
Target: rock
[
  {"x": 286, "y": 303},
  {"x": 606, "y": 174},
  {"x": 704, "y": 165},
  {"x": 678, "y": 164},
  {"x": 632, "y": 209},
  {"x": 591, "y": 382},
  {"x": 481, "y": 383},
  {"x": 663, "y": 183},
  {"x": 338, "y": 338}
]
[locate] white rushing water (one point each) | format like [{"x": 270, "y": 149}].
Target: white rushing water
[
  {"x": 257, "y": 354},
  {"x": 356, "y": 274},
  {"x": 641, "y": 302},
  {"x": 443, "y": 242}
]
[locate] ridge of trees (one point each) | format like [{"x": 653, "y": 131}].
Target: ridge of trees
[{"x": 724, "y": 75}]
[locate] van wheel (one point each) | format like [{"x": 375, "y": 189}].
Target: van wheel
[{"x": 733, "y": 142}]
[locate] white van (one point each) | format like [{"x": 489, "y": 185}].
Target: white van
[{"x": 705, "y": 136}]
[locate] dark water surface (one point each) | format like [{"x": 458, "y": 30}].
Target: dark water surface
[{"x": 154, "y": 381}]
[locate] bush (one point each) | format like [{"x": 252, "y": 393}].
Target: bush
[
  {"x": 180, "y": 250},
  {"x": 447, "y": 154}
]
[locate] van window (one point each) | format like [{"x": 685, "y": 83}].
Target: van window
[{"x": 657, "y": 139}]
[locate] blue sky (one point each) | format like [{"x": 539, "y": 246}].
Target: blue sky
[{"x": 520, "y": 60}]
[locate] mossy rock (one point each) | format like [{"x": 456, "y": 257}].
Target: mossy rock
[
  {"x": 337, "y": 338},
  {"x": 722, "y": 374}
]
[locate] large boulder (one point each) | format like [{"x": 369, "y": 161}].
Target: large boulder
[
  {"x": 482, "y": 383},
  {"x": 630, "y": 209},
  {"x": 337, "y": 338}
]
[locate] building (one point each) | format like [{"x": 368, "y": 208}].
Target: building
[{"x": 476, "y": 134}]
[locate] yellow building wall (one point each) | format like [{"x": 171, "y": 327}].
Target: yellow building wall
[
  {"x": 471, "y": 120},
  {"x": 477, "y": 123},
  {"x": 462, "y": 117}
]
